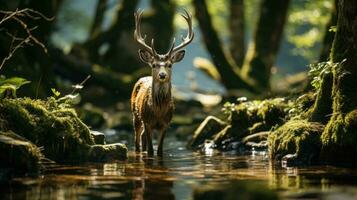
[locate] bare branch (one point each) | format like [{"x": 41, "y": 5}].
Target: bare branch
[{"x": 18, "y": 16}]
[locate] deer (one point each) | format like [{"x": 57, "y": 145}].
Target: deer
[{"x": 152, "y": 104}]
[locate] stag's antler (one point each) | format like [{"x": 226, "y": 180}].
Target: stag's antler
[
  {"x": 141, "y": 40},
  {"x": 137, "y": 33},
  {"x": 185, "y": 40}
]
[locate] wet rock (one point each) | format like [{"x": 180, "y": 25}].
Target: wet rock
[
  {"x": 290, "y": 160},
  {"x": 236, "y": 190},
  {"x": 99, "y": 138},
  {"x": 55, "y": 127},
  {"x": 297, "y": 141},
  {"x": 106, "y": 153},
  {"x": 18, "y": 153},
  {"x": 207, "y": 130}
]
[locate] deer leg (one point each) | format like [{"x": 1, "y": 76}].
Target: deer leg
[
  {"x": 138, "y": 132},
  {"x": 143, "y": 141},
  {"x": 148, "y": 133},
  {"x": 161, "y": 142}
]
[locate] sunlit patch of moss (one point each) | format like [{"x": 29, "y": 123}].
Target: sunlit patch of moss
[
  {"x": 339, "y": 139},
  {"x": 48, "y": 124},
  {"x": 244, "y": 118},
  {"x": 298, "y": 137},
  {"x": 253, "y": 116}
]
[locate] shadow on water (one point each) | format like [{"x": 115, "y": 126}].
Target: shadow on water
[{"x": 183, "y": 174}]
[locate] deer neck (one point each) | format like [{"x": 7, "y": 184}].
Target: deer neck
[{"x": 161, "y": 93}]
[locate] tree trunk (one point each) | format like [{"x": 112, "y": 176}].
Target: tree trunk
[
  {"x": 329, "y": 35},
  {"x": 322, "y": 109},
  {"x": 230, "y": 77},
  {"x": 123, "y": 21},
  {"x": 262, "y": 54},
  {"x": 340, "y": 135},
  {"x": 236, "y": 29},
  {"x": 96, "y": 26}
]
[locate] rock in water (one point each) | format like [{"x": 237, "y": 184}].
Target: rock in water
[
  {"x": 106, "y": 153},
  {"x": 18, "y": 153},
  {"x": 99, "y": 138}
]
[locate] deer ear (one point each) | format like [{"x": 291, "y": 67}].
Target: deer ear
[
  {"x": 178, "y": 56},
  {"x": 145, "y": 56}
]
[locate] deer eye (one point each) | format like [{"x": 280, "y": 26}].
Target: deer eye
[{"x": 153, "y": 65}]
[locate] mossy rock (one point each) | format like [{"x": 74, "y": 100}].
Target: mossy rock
[
  {"x": 297, "y": 141},
  {"x": 339, "y": 139},
  {"x": 255, "y": 116},
  {"x": 244, "y": 119},
  {"x": 49, "y": 124},
  {"x": 99, "y": 137},
  {"x": 107, "y": 152},
  {"x": 235, "y": 190},
  {"x": 18, "y": 153},
  {"x": 206, "y": 131}
]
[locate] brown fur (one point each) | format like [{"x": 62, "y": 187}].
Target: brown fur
[
  {"x": 152, "y": 107},
  {"x": 151, "y": 101}
]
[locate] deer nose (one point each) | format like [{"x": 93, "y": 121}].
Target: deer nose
[{"x": 162, "y": 75}]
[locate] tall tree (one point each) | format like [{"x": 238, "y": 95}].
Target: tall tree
[
  {"x": 236, "y": 31},
  {"x": 340, "y": 135},
  {"x": 227, "y": 69},
  {"x": 255, "y": 73},
  {"x": 96, "y": 26},
  {"x": 262, "y": 55}
]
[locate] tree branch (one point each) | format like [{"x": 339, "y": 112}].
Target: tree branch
[{"x": 18, "y": 17}]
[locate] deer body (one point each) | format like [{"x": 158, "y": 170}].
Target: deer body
[
  {"x": 152, "y": 104},
  {"x": 152, "y": 108}
]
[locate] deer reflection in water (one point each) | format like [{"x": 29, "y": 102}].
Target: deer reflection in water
[{"x": 155, "y": 181}]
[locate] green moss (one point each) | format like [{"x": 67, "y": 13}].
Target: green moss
[
  {"x": 322, "y": 109},
  {"x": 48, "y": 124},
  {"x": 253, "y": 116},
  {"x": 243, "y": 119},
  {"x": 339, "y": 139},
  {"x": 107, "y": 152},
  {"x": 298, "y": 137}
]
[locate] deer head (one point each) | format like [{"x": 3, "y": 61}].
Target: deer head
[{"x": 161, "y": 63}]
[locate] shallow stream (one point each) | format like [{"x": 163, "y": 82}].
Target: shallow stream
[{"x": 179, "y": 175}]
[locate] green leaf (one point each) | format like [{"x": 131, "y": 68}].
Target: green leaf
[
  {"x": 55, "y": 92},
  {"x": 10, "y": 85},
  {"x": 333, "y": 29},
  {"x": 15, "y": 81}
]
